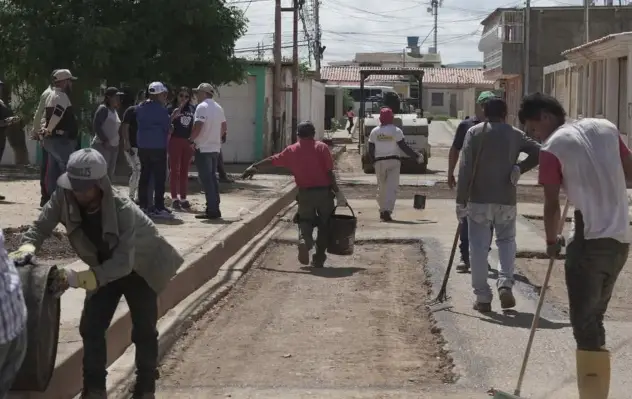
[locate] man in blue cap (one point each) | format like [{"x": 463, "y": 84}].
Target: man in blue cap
[{"x": 453, "y": 159}]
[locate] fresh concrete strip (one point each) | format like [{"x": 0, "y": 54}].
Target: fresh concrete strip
[{"x": 184, "y": 314}]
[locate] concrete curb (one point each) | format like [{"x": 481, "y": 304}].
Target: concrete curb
[
  {"x": 201, "y": 265},
  {"x": 183, "y": 315}
]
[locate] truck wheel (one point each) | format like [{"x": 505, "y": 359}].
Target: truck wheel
[{"x": 368, "y": 169}]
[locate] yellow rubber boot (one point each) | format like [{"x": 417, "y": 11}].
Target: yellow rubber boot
[{"x": 593, "y": 374}]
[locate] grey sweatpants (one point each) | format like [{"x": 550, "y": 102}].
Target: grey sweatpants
[
  {"x": 11, "y": 358},
  {"x": 59, "y": 150},
  {"x": 110, "y": 153}
]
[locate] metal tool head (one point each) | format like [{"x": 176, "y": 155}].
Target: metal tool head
[{"x": 496, "y": 394}]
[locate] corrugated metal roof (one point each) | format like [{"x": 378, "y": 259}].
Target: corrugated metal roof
[
  {"x": 438, "y": 76},
  {"x": 595, "y": 42}
]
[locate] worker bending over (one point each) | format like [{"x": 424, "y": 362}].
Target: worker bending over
[
  {"x": 486, "y": 195},
  {"x": 588, "y": 158},
  {"x": 385, "y": 143},
  {"x": 312, "y": 166},
  {"x": 126, "y": 256}
]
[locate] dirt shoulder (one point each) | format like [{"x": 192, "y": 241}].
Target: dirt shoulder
[{"x": 358, "y": 323}]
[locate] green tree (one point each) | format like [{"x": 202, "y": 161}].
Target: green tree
[{"x": 116, "y": 41}]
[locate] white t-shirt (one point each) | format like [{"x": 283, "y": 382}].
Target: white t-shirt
[
  {"x": 211, "y": 114},
  {"x": 385, "y": 139},
  {"x": 589, "y": 153}
]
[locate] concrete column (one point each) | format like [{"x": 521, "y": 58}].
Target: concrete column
[
  {"x": 338, "y": 114},
  {"x": 629, "y": 99},
  {"x": 592, "y": 83},
  {"x": 611, "y": 109}
]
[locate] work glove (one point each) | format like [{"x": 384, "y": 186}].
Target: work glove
[
  {"x": 461, "y": 211},
  {"x": 24, "y": 255},
  {"x": 248, "y": 173},
  {"x": 340, "y": 199},
  {"x": 554, "y": 248},
  {"x": 515, "y": 175},
  {"x": 420, "y": 159},
  {"x": 67, "y": 278}
]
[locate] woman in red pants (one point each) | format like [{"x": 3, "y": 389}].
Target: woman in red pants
[{"x": 180, "y": 150}]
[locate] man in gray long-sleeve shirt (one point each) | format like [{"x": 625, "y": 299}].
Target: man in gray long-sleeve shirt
[{"x": 492, "y": 200}]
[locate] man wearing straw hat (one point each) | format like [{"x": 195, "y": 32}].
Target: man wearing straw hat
[
  {"x": 590, "y": 160},
  {"x": 486, "y": 195}
]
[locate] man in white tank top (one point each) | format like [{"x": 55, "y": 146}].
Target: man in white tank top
[{"x": 590, "y": 161}]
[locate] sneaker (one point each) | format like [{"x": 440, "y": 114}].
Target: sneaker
[
  {"x": 483, "y": 307},
  {"x": 146, "y": 395},
  {"x": 209, "y": 215},
  {"x": 387, "y": 216},
  {"x": 2, "y": 198},
  {"x": 303, "y": 253},
  {"x": 43, "y": 202},
  {"x": 463, "y": 266},
  {"x": 163, "y": 214},
  {"x": 185, "y": 204},
  {"x": 226, "y": 179},
  {"x": 507, "y": 299},
  {"x": 149, "y": 212},
  {"x": 176, "y": 204}
]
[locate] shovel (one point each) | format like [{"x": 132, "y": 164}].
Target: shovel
[{"x": 534, "y": 324}]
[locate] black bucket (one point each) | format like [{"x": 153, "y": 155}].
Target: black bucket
[
  {"x": 42, "y": 329},
  {"x": 342, "y": 230},
  {"x": 419, "y": 201}
]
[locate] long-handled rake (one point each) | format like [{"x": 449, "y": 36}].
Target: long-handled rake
[
  {"x": 534, "y": 324},
  {"x": 443, "y": 292}
]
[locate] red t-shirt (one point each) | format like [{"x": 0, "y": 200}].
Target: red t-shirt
[
  {"x": 350, "y": 114},
  {"x": 309, "y": 161}
]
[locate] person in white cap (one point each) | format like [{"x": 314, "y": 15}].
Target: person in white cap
[
  {"x": 152, "y": 138},
  {"x": 59, "y": 127},
  {"x": 209, "y": 127},
  {"x": 37, "y": 124},
  {"x": 126, "y": 256}
]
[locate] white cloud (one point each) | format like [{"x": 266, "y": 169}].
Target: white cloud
[{"x": 350, "y": 26}]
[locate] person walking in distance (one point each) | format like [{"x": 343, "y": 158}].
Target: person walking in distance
[
  {"x": 312, "y": 166},
  {"x": 591, "y": 162},
  {"x": 129, "y": 127},
  {"x": 13, "y": 318},
  {"x": 453, "y": 159},
  {"x": 106, "y": 124},
  {"x": 36, "y": 125},
  {"x": 59, "y": 130},
  {"x": 350, "y": 116},
  {"x": 385, "y": 143},
  {"x": 208, "y": 128},
  {"x": 152, "y": 138},
  {"x": 486, "y": 196},
  {"x": 126, "y": 256},
  {"x": 180, "y": 151}
]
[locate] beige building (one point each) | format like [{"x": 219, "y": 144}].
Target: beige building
[{"x": 595, "y": 80}]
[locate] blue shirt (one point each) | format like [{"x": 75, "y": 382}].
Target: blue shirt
[
  {"x": 461, "y": 130},
  {"x": 153, "y": 123}
]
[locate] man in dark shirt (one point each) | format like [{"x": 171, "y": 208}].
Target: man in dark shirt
[
  {"x": 6, "y": 119},
  {"x": 129, "y": 127},
  {"x": 453, "y": 159}
]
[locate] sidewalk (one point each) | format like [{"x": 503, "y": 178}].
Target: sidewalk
[{"x": 247, "y": 206}]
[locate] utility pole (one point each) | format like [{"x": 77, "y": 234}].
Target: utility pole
[
  {"x": 295, "y": 71},
  {"x": 587, "y": 19},
  {"x": 276, "y": 89},
  {"x": 434, "y": 9},
  {"x": 527, "y": 48},
  {"x": 317, "y": 54}
]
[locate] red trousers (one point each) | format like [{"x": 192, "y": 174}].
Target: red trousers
[{"x": 180, "y": 154}]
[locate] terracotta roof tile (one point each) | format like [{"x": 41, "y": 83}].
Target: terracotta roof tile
[
  {"x": 437, "y": 76},
  {"x": 594, "y": 42}
]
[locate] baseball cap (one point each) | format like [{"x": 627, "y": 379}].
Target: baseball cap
[
  {"x": 63, "y": 74},
  {"x": 386, "y": 116},
  {"x": 205, "y": 88},
  {"x": 157, "y": 88},
  {"x": 84, "y": 170},
  {"x": 113, "y": 91},
  {"x": 485, "y": 96},
  {"x": 306, "y": 129}
]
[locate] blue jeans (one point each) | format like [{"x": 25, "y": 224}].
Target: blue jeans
[
  {"x": 59, "y": 150},
  {"x": 464, "y": 246},
  {"x": 206, "y": 164},
  {"x": 481, "y": 218}
]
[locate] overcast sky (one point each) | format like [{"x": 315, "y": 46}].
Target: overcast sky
[{"x": 350, "y": 26}]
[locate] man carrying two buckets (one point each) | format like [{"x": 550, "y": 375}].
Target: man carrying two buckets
[{"x": 312, "y": 166}]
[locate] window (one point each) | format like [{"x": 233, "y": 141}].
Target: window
[{"x": 436, "y": 99}]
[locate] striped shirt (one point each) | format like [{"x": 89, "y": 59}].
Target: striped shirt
[{"x": 12, "y": 306}]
